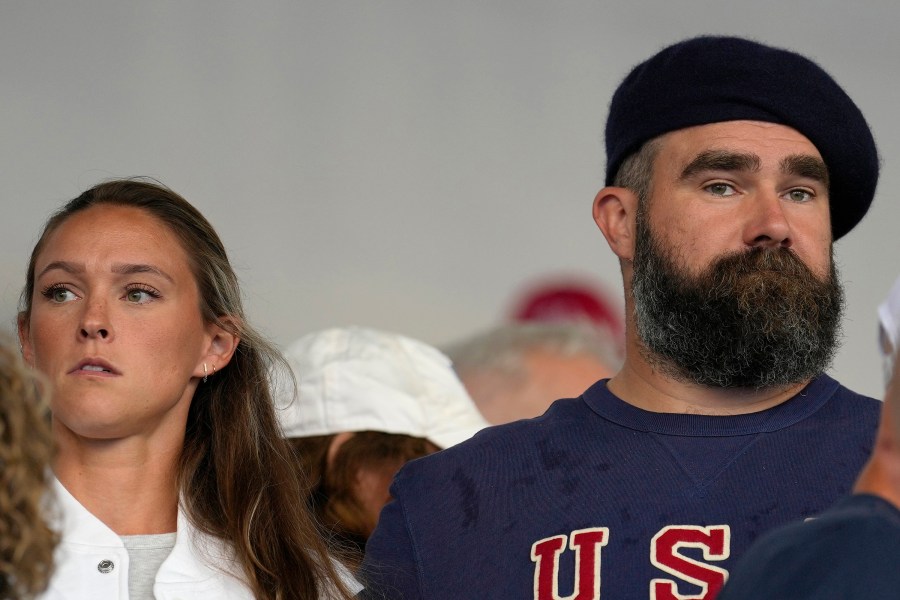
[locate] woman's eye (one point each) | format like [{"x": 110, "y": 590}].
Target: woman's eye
[
  {"x": 138, "y": 296},
  {"x": 59, "y": 294},
  {"x": 62, "y": 295}
]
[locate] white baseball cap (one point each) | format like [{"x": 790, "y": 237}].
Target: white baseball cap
[
  {"x": 360, "y": 379},
  {"x": 889, "y": 329}
]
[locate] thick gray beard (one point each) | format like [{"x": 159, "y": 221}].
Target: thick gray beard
[{"x": 758, "y": 319}]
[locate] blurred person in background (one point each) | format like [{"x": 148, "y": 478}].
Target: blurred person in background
[
  {"x": 26, "y": 543},
  {"x": 367, "y": 402},
  {"x": 516, "y": 370}
]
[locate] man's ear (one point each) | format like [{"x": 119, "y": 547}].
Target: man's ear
[
  {"x": 220, "y": 347},
  {"x": 23, "y": 329},
  {"x": 615, "y": 209}
]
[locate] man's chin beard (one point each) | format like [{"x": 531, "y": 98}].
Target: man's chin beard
[{"x": 758, "y": 319}]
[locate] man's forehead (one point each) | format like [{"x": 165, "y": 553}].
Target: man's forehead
[{"x": 751, "y": 138}]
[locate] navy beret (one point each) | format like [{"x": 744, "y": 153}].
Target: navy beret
[{"x": 713, "y": 79}]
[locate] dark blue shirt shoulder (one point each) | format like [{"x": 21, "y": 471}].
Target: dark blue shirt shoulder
[{"x": 851, "y": 551}]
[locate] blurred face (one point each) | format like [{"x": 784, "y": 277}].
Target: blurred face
[
  {"x": 548, "y": 377},
  {"x": 115, "y": 325},
  {"x": 360, "y": 469},
  {"x": 372, "y": 491}
]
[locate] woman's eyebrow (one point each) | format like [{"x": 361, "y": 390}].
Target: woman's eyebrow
[
  {"x": 63, "y": 265},
  {"x": 132, "y": 268},
  {"x": 119, "y": 268}
]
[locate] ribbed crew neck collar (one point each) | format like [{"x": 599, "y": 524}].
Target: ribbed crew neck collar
[{"x": 804, "y": 403}]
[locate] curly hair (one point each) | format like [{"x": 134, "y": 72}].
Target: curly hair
[
  {"x": 237, "y": 475},
  {"x": 26, "y": 543}
]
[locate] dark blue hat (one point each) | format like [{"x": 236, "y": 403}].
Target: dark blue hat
[{"x": 713, "y": 79}]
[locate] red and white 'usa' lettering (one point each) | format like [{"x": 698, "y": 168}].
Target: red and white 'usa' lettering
[
  {"x": 587, "y": 544},
  {"x": 714, "y": 541}
]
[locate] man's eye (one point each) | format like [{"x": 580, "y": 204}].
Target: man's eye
[
  {"x": 799, "y": 196},
  {"x": 720, "y": 189}
]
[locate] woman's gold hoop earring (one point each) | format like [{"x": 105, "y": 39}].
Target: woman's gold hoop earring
[{"x": 206, "y": 373}]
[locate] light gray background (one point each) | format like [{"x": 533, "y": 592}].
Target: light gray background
[{"x": 400, "y": 164}]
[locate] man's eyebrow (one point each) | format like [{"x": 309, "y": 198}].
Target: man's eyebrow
[
  {"x": 805, "y": 165},
  {"x": 129, "y": 269},
  {"x": 721, "y": 160}
]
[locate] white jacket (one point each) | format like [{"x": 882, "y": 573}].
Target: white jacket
[{"x": 91, "y": 562}]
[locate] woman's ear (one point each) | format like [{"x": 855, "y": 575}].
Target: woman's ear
[
  {"x": 24, "y": 332},
  {"x": 220, "y": 347},
  {"x": 615, "y": 209}
]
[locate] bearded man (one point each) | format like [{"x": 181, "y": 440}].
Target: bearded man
[{"x": 731, "y": 168}]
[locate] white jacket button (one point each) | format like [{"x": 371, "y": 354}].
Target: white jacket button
[{"x": 106, "y": 566}]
